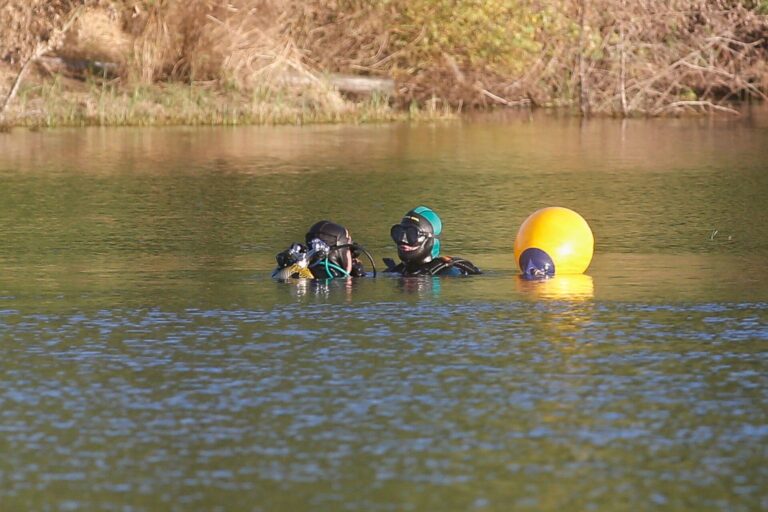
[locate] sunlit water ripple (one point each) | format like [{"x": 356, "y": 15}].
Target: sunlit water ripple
[{"x": 420, "y": 399}]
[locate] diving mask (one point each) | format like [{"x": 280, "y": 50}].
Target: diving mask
[{"x": 408, "y": 234}]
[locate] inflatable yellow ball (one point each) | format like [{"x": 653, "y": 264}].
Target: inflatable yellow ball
[{"x": 553, "y": 240}]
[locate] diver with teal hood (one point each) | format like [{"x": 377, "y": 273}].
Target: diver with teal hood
[
  {"x": 328, "y": 252},
  {"x": 418, "y": 246}
]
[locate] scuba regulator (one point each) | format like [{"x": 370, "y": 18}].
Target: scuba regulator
[{"x": 329, "y": 252}]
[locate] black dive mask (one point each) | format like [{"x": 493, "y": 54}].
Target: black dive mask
[
  {"x": 408, "y": 234},
  {"x": 414, "y": 245}
]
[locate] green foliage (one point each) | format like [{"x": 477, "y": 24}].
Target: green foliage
[
  {"x": 178, "y": 103},
  {"x": 497, "y": 34}
]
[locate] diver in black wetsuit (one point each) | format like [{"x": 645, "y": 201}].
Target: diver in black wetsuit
[
  {"x": 418, "y": 247},
  {"x": 329, "y": 252}
]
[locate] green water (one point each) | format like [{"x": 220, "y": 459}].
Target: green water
[{"x": 149, "y": 362}]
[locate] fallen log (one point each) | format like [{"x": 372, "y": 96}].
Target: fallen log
[
  {"x": 79, "y": 68},
  {"x": 348, "y": 84}
]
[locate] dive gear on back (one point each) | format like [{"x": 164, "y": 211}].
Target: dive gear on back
[
  {"x": 328, "y": 237},
  {"x": 329, "y": 252}
]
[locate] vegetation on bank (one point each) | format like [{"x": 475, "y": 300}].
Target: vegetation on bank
[
  {"x": 273, "y": 61},
  {"x": 61, "y": 102}
]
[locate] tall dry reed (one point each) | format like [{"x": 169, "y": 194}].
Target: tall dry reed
[
  {"x": 601, "y": 56},
  {"x": 607, "y": 56}
]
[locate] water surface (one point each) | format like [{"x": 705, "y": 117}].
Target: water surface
[{"x": 149, "y": 363}]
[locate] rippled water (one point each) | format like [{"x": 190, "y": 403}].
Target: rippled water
[{"x": 149, "y": 363}]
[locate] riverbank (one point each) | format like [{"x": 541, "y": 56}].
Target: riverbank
[
  {"x": 116, "y": 62},
  {"x": 55, "y": 100}
]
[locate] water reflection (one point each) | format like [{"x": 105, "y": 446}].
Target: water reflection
[
  {"x": 318, "y": 288},
  {"x": 151, "y": 363},
  {"x": 559, "y": 287},
  {"x": 422, "y": 286},
  {"x": 198, "y": 191}
]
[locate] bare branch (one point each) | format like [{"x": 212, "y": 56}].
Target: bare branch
[
  {"x": 504, "y": 101},
  {"x": 706, "y": 104},
  {"x": 41, "y": 49}
]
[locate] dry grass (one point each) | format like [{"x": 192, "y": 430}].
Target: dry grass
[
  {"x": 64, "y": 102},
  {"x": 621, "y": 56},
  {"x": 696, "y": 55},
  {"x": 97, "y": 35},
  {"x": 29, "y": 23},
  {"x": 266, "y": 60}
]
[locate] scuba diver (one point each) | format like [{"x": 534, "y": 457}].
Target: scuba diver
[
  {"x": 329, "y": 252},
  {"x": 418, "y": 247}
]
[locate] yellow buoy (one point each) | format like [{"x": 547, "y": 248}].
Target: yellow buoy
[{"x": 553, "y": 240}]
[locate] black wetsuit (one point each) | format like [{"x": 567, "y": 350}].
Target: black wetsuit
[{"x": 440, "y": 266}]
